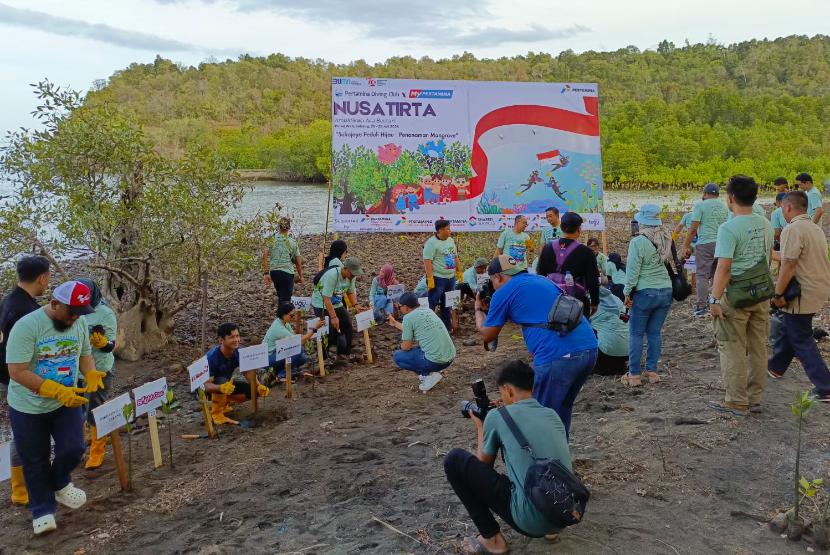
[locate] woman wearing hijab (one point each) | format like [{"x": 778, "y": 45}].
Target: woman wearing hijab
[
  {"x": 648, "y": 294},
  {"x": 378, "y": 290}
]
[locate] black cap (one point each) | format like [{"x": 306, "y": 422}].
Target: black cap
[{"x": 410, "y": 300}]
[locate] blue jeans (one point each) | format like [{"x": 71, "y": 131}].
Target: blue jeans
[
  {"x": 297, "y": 361},
  {"x": 648, "y": 313},
  {"x": 415, "y": 360},
  {"x": 796, "y": 339},
  {"x": 436, "y": 297},
  {"x": 557, "y": 383},
  {"x": 382, "y": 306},
  {"x": 33, "y": 435}
]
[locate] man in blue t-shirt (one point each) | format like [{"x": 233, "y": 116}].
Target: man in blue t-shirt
[
  {"x": 223, "y": 361},
  {"x": 562, "y": 362}
]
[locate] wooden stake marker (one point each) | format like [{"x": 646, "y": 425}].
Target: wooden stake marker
[
  {"x": 366, "y": 320},
  {"x": 320, "y": 360},
  {"x": 369, "y": 358},
  {"x": 251, "y": 376},
  {"x": 206, "y": 413},
  {"x": 118, "y": 455},
  {"x": 109, "y": 418},
  {"x": 148, "y": 397},
  {"x": 288, "y": 384},
  {"x": 154, "y": 438}
]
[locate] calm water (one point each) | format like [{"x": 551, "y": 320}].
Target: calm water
[{"x": 307, "y": 202}]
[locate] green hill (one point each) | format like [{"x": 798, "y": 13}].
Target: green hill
[{"x": 676, "y": 115}]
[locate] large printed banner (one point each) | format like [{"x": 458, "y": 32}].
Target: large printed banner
[{"x": 408, "y": 152}]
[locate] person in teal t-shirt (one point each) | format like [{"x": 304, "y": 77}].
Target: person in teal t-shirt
[
  {"x": 280, "y": 329},
  {"x": 442, "y": 267},
  {"x": 552, "y": 230},
  {"x": 103, "y": 328},
  {"x": 281, "y": 261},
  {"x": 612, "y": 335},
  {"x": 47, "y": 352},
  {"x": 744, "y": 243},
  {"x": 378, "y": 292},
  {"x": 777, "y": 220},
  {"x": 815, "y": 207},
  {"x": 426, "y": 346},
  {"x": 482, "y": 489},
  {"x": 707, "y": 216},
  {"x": 469, "y": 286},
  {"x": 756, "y": 209},
  {"x": 336, "y": 284},
  {"x": 602, "y": 260},
  {"x": 515, "y": 242}
]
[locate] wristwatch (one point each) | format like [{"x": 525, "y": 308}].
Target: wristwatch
[{"x": 713, "y": 300}]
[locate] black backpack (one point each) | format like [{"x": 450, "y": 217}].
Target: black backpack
[
  {"x": 554, "y": 490},
  {"x": 319, "y": 275}
]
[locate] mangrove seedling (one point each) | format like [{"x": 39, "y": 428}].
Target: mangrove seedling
[
  {"x": 167, "y": 409},
  {"x": 128, "y": 414},
  {"x": 803, "y": 403}
]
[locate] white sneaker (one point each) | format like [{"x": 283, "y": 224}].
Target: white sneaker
[
  {"x": 71, "y": 496},
  {"x": 429, "y": 381},
  {"x": 44, "y": 524}
]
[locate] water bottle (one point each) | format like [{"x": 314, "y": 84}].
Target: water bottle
[{"x": 569, "y": 279}]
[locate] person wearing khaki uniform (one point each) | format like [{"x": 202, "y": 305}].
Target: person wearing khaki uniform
[
  {"x": 743, "y": 244},
  {"x": 804, "y": 263}
]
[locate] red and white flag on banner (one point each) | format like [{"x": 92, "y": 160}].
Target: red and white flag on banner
[{"x": 547, "y": 155}]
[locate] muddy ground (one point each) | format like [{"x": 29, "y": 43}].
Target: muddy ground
[{"x": 323, "y": 471}]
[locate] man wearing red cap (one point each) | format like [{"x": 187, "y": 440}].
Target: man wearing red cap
[{"x": 47, "y": 351}]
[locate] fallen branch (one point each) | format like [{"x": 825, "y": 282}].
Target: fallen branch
[{"x": 389, "y": 526}]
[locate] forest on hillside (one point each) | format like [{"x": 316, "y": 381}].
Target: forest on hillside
[{"x": 671, "y": 116}]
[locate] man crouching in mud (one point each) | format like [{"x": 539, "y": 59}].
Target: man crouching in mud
[{"x": 483, "y": 490}]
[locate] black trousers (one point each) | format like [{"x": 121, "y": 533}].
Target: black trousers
[
  {"x": 466, "y": 291},
  {"x": 482, "y": 490},
  {"x": 617, "y": 289},
  {"x": 344, "y": 338},
  {"x": 284, "y": 284},
  {"x": 610, "y": 366}
]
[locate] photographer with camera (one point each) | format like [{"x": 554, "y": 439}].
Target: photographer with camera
[
  {"x": 484, "y": 491},
  {"x": 563, "y": 360}
]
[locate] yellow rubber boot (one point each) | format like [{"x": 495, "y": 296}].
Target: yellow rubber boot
[
  {"x": 97, "y": 448},
  {"x": 20, "y": 495},
  {"x": 218, "y": 402}
]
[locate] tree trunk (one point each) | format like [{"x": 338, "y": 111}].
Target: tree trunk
[{"x": 141, "y": 330}]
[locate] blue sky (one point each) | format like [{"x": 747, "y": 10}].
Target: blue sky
[{"x": 74, "y": 43}]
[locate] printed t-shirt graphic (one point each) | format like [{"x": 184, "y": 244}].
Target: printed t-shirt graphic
[
  {"x": 442, "y": 254},
  {"x": 514, "y": 245}
]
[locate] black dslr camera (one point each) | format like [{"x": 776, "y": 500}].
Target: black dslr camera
[
  {"x": 485, "y": 293},
  {"x": 481, "y": 403}
]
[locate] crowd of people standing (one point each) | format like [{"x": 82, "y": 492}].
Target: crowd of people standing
[{"x": 622, "y": 304}]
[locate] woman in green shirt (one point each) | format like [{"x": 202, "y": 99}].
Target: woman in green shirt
[
  {"x": 281, "y": 261},
  {"x": 648, "y": 293},
  {"x": 280, "y": 329},
  {"x": 337, "y": 252}
]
